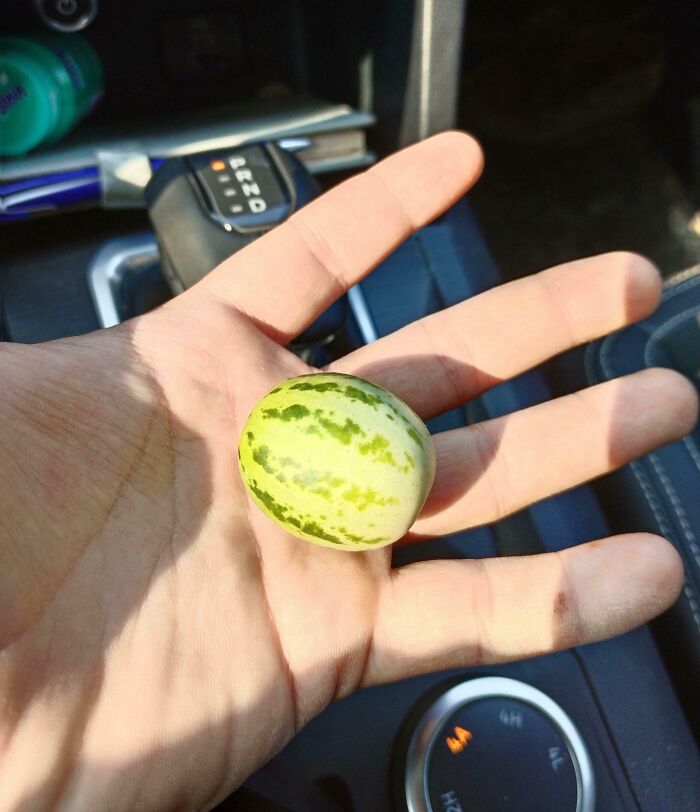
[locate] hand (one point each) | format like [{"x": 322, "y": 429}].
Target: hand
[{"x": 160, "y": 638}]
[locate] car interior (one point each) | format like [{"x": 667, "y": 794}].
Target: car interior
[{"x": 204, "y": 123}]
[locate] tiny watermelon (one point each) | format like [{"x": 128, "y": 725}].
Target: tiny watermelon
[{"x": 337, "y": 460}]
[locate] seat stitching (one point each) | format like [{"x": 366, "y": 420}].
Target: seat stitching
[
  {"x": 682, "y": 276},
  {"x": 679, "y": 287},
  {"x": 677, "y": 507},
  {"x": 646, "y": 487},
  {"x": 608, "y": 341},
  {"x": 693, "y": 449},
  {"x": 656, "y": 336},
  {"x": 648, "y": 490},
  {"x": 606, "y": 353},
  {"x": 654, "y": 340}
]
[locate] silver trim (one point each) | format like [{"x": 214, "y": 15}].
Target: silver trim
[
  {"x": 366, "y": 81},
  {"x": 424, "y": 736},
  {"x": 358, "y": 305},
  {"x": 294, "y": 144},
  {"x": 107, "y": 268},
  {"x": 262, "y": 120},
  {"x": 116, "y": 257},
  {"x": 8, "y": 202},
  {"x": 424, "y": 85},
  {"x": 79, "y": 24}
]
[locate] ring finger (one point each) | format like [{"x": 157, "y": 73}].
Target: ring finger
[{"x": 491, "y": 469}]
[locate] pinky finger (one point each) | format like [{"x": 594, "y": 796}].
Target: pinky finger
[{"x": 445, "y": 614}]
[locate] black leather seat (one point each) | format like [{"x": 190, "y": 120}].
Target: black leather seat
[{"x": 661, "y": 491}]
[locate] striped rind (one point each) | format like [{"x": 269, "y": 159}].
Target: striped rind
[{"x": 337, "y": 460}]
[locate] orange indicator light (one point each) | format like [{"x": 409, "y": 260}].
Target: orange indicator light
[
  {"x": 460, "y": 740},
  {"x": 218, "y": 166}
]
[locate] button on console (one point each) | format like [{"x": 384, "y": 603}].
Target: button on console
[{"x": 67, "y": 15}]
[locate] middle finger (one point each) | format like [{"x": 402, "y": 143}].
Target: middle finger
[{"x": 447, "y": 358}]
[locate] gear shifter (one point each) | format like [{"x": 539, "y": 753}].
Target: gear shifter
[{"x": 205, "y": 207}]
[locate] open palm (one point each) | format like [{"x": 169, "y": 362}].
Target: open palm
[{"x": 159, "y": 637}]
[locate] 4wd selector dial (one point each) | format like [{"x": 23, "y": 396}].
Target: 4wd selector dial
[{"x": 493, "y": 744}]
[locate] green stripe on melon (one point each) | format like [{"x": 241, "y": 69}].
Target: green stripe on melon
[{"x": 337, "y": 460}]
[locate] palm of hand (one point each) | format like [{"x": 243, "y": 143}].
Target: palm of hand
[{"x": 161, "y": 638}]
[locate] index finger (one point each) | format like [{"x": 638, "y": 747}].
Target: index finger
[{"x": 284, "y": 280}]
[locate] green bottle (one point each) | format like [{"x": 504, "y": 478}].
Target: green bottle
[{"x": 47, "y": 84}]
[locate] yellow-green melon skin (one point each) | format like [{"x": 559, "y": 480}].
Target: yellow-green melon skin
[{"x": 337, "y": 460}]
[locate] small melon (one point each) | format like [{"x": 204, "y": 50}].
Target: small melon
[{"x": 337, "y": 460}]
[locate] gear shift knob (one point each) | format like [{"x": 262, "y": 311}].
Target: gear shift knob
[{"x": 205, "y": 207}]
